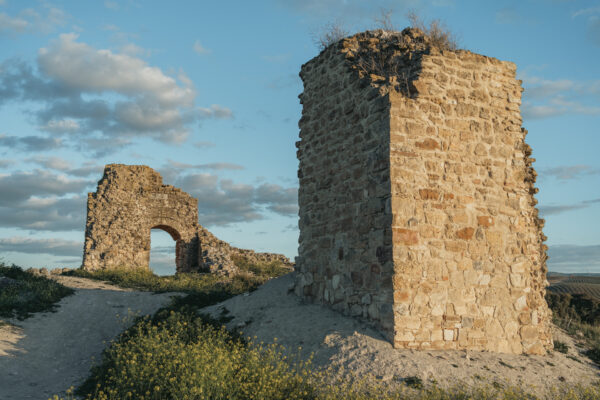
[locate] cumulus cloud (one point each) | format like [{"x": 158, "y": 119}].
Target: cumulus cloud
[
  {"x": 42, "y": 200},
  {"x": 30, "y": 143},
  {"x": 20, "y": 186},
  {"x": 223, "y": 202},
  {"x": 55, "y": 163},
  {"x": 45, "y": 214},
  {"x": 55, "y": 247},
  {"x": 62, "y": 165},
  {"x": 71, "y": 83},
  {"x": 574, "y": 258},
  {"x": 81, "y": 67}
]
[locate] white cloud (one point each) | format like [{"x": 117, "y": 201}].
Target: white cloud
[
  {"x": 59, "y": 164},
  {"x": 45, "y": 19},
  {"x": 12, "y": 24},
  {"x": 45, "y": 214},
  {"x": 222, "y": 202},
  {"x": 55, "y": 247},
  {"x": 545, "y": 98},
  {"x": 19, "y": 186},
  {"x": 215, "y": 111},
  {"x": 200, "y": 49},
  {"x": 72, "y": 85},
  {"x": 35, "y": 200},
  {"x": 61, "y": 126},
  {"x": 81, "y": 67},
  {"x": 55, "y": 163}
]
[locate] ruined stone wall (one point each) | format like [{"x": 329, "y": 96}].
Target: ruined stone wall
[
  {"x": 467, "y": 258},
  {"x": 129, "y": 202},
  {"x": 344, "y": 196}
]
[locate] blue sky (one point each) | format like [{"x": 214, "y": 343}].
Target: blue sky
[{"x": 206, "y": 93}]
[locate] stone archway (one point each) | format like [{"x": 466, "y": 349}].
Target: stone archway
[{"x": 130, "y": 201}]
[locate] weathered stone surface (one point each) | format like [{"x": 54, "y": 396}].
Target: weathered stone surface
[
  {"x": 129, "y": 202},
  {"x": 416, "y": 190}
]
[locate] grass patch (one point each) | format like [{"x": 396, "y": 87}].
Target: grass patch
[
  {"x": 261, "y": 270},
  {"x": 250, "y": 277},
  {"x": 561, "y": 347},
  {"x": 24, "y": 293}
]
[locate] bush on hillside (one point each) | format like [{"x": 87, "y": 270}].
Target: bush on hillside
[{"x": 23, "y": 293}]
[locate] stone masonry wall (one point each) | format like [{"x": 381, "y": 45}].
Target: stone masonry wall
[
  {"x": 129, "y": 202},
  {"x": 345, "y": 251},
  {"x": 457, "y": 230}
]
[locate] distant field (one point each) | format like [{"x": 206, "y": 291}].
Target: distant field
[{"x": 589, "y": 285}]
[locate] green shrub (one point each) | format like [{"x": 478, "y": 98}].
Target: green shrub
[
  {"x": 25, "y": 293},
  {"x": 176, "y": 355},
  {"x": 561, "y": 347},
  {"x": 574, "y": 307},
  {"x": 439, "y": 35}
]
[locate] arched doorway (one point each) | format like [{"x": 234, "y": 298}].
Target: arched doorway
[
  {"x": 130, "y": 202},
  {"x": 163, "y": 250}
]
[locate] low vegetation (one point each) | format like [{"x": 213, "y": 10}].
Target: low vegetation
[
  {"x": 579, "y": 315},
  {"x": 437, "y": 33},
  {"x": 180, "y": 354},
  {"x": 23, "y": 293},
  {"x": 574, "y": 307},
  {"x": 263, "y": 271}
]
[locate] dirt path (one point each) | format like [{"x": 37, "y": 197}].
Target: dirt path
[{"x": 49, "y": 352}]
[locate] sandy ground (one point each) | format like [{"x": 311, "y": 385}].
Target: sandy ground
[
  {"x": 49, "y": 352},
  {"x": 350, "y": 345}
]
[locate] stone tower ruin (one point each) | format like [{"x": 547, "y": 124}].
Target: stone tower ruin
[{"x": 416, "y": 195}]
